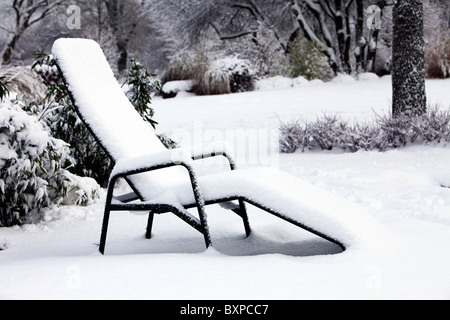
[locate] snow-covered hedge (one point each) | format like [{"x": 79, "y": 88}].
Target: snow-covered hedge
[
  {"x": 31, "y": 172},
  {"x": 330, "y": 132}
]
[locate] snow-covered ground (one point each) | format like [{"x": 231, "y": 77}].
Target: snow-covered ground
[{"x": 402, "y": 189}]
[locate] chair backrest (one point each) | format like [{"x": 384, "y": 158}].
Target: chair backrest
[
  {"x": 101, "y": 101},
  {"x": 106, "y": 110}
]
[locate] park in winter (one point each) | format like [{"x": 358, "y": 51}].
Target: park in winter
[{"x": 225, "y": 150}]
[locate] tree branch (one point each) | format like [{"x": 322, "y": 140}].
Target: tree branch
[{"x": 231, "y": 36}]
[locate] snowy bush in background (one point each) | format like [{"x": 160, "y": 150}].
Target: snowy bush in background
[
  {"x": 213, "y": 82},
  {"x": 210, "y": 77},
  {"x": 172, "y": 88},
  {"x": 188, "y": 64},
  {"x": 31, "y": 172},
  {"x": 241, "y": 73},
  {"x": 330, "y": 132},
  {"x": 306, "y": 60}
]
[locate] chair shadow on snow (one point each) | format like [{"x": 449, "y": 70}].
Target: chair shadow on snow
[{"x": 268, "y": 237}]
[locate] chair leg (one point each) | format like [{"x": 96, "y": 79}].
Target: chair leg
[
  {"x": 204, "y": 223},
  {"x": 148, "y": 234},
  {"x": 104, "y": 230},
  {"x": 244, "y": 216}
]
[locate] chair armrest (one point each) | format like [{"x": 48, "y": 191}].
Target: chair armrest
[
  {"x": 153, "y": 161},
  {"x": 215, "y": 149},
  {"x": 146, "y": 163}
]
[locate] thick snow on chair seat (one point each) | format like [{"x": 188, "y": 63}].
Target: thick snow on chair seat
[{"x": 313, "y": 207}]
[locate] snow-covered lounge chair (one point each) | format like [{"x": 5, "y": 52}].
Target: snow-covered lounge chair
[{"x": 164, "y": 180}]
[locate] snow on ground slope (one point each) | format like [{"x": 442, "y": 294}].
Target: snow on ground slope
[{"x": 402, "y": 189}]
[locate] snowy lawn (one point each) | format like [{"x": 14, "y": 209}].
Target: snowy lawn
[{"x": 402, "y": 189}]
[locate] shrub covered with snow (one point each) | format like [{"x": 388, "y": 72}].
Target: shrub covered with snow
[
  {"x": 172, "y": 88},
  {"x": 195, "y": 65},
  {"x": 208, "y": 76},
  {"x": 330, "y": 132},
  {"x": 240, "y": 72},
  {"x": 31, "y": 167}
]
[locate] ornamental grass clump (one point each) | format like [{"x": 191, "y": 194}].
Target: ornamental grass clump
[{"x": 387, "y": 132}]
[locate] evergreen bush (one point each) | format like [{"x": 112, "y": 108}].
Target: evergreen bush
[
  {"x": 306, "y": 60},
  {"x": 32, "y": 175},
  {"x": 141, "y": 85}
]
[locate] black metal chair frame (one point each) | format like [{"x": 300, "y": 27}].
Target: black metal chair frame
[
  {"x": 200, "y": 225},
  {"x": 128, "y": 202}
]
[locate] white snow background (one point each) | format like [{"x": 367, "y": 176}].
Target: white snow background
[{"x": 402, "y": 189}]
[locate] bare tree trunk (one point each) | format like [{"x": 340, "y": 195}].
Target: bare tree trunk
[
  {"x": 123, "y": 28},
  {"x": 372, "y": 50},
  {"x": 7, "y": 54},
  {"x": 339, "y": 14},
  {"x": 361, "y": 41},
  {"x": 408, "y": 70},
  {"x": 114, "y": 12}
]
